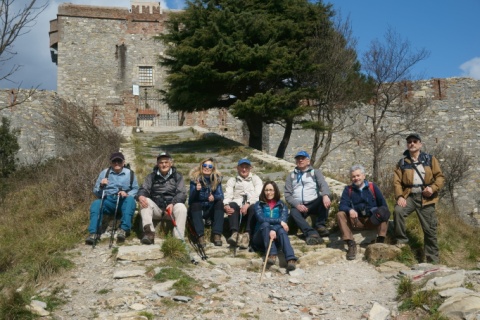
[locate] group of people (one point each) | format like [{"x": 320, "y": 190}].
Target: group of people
[{"x": 257, "y": 216}]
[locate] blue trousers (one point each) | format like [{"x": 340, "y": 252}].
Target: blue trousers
[
  {"x": 126, "y": 208},
  {"x": 261, "y": 239}
]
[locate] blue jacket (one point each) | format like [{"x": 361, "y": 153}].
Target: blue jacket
[
  {"x": 203, "y": 194},
  {"x": 274, "y": 216},
  {"x": 361, "y": 200},
  {"x": 115, "y": 182}
]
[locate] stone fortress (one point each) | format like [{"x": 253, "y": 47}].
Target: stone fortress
[{"x": 107, "y": 59}]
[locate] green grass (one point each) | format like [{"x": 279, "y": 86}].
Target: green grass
[{"x": 184, "y": 284}]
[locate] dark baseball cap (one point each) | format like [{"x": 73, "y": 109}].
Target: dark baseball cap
[
  {"x": 379, "y": 215},
  {"x": 414, "y": 135},
  {"x": 164, "y": 155},
  {"x": 117, "y": 155}
]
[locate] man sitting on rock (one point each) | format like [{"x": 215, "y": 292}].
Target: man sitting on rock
[
  {"x": 307, "y": 193},
  {"x": 362, "y": 207},
  {"x": 241, "y": 194},
  {"x": 163, "y": 191}
]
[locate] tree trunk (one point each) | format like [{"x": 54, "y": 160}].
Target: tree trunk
[
  {"x": 325, "y": 151},
  {"x": 285, "y": 139},
  {"x": 316, "y": 145},
  {"x": 255, "y": 129}
]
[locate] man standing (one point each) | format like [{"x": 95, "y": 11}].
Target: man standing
[
  {"x": 417, "y": 181},
  {"x": 163, "y": 191},
  {"x": 113, "y": 182},
  {"x": 362, "y": 206},
  {"x": 241, "y": 194},
  {"x": 307, "y": 192}
]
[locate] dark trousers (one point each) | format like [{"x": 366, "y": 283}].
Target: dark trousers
[
  {"x": 214, "y": 211},
  {"x": 314, "y": 207},
  {"x": 261, "y": 239},
  {"x": 248, "y": 220}
]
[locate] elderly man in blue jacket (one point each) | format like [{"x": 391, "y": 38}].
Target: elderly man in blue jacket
[
  {"x": 114, "y": 183},
  {"x": 362, "y": 206}
]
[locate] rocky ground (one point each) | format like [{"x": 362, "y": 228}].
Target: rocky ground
[{"x": 117, "y": 283}]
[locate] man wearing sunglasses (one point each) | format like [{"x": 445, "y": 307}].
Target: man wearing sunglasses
[
  {"x": 417, "y": 181},
  {"x": 163, "y": 191},
  {"x": 114, "y": 183}
]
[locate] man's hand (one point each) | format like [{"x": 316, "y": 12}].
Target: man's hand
[
  {"x": 103, "y": 182},
  {"x": 427, "y": 192},
  {"x": 273, "y": 235},
  {"x": 169, "y": 208},
  {"x": 301, "y": 208},
  {"x": 402, "y": 202},
  {"x": 123, "y": 194},
  {"x": 228, "y": 210},
  {"x": 143, "y": 201},
  {"x": 326, "y": 201},
  {"x": 244, "y": 208},
  {"x": 353, "y": 214}
]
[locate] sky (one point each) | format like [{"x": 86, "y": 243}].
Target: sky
[{"x": 448, "y": 29}]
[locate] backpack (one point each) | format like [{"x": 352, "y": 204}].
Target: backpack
[
  {"x": 132, "y": 174},
  {"x": 425, "y": 159},
  {"x": 312, "y": 173},
  {"x": 370, "y": 187}
]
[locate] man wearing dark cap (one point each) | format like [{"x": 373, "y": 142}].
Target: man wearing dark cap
[
  {"x": 362, "y": 207},
  {"x": 114, "y": 183},
  {"x": 307, "y": 192},
  {"x": 241, "y": 193},
  {"x": 417, "y": 181},
  {"x": 163, "y": 191}
]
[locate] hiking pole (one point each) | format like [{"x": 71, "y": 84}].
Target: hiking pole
[
  {"x": 98, "y": 234},
  {"x": 195, "y": 242},
  {"x": 112, "y": 233},
  {"x": 172, "y": 217},
  {"x": 239, "y": 225},
  {"x": 266, "y": 259}
]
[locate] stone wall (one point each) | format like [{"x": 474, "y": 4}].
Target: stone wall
[
  {"x": 36, "y": 140},
  {"x": 453, "y": 121}
]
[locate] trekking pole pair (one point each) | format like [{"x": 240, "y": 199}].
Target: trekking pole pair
[
  {"x": 98, "y": 234},
  {"x": 194, "y": 240},
  {"x": 114, "y": 227},
  {"x": 174, "y": 222}
]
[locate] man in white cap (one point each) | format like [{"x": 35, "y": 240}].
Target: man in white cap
[{"x": 307, "y": 193}]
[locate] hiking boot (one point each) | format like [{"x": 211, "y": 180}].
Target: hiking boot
[
  {"x": 201, "y": 241},
  {"x": 148, "y": 235},
  {"x": 291, "y": 265},
  {"x": 245, "y": 241},
  {"x": 91, "y": 239},
  {"x": 313, "y": 240},
  {"x": 121, "y": 234},
  {"x": 217, "y": 240},
  {"x": 233, "y": 239},
  {"x": 352, "y": 251},
  {"x": 271, "y": 260},
  {"x": 323, "y": 232}
]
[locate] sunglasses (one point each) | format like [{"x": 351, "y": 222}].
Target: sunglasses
[
  {"x": 117, "y": 161},
  {"x": 210, "y": 166},
  {"x": 412, "y": 141}
]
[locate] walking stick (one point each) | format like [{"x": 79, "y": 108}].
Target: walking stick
[
  {"x": 239, "y": 226},
  {"x": 266, "y": 259},
  {"x": 172, "y": 217},
  {"x": 114, "y": 220},
  {"x": 98, "y": 234}
]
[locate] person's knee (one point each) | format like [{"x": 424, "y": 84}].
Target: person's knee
[
  {"x": 180, "y": 209},
  {"x": 264, "y": 225}
]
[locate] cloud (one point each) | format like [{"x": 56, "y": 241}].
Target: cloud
[{"x": 471, "y": 68}]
